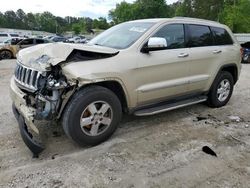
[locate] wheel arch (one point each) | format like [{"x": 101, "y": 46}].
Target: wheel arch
[
  {"x": 113, "y": 85},
  {"x": 232, "y": 69},
  {"x": 116, "y": 87}
]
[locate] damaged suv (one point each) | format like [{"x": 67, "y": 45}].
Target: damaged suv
[{"x": 142, "y": 67}]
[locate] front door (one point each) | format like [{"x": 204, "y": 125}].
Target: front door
[{"x": 163, "y": 73}]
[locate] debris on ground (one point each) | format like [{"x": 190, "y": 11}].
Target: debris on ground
[
  {"x": 201, "y": 118},
  {"x": 235, "y": 118},
  {"x": 237, "y": 139},
  {"x": 54, "y": 156},
  {"x": 209, "y": 151}
]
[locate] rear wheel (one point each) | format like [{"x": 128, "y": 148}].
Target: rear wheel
[
  {"x": 5, "y": 54},
  {"x": 92, "y": 115},
  {"x": 221, "y": 90}
]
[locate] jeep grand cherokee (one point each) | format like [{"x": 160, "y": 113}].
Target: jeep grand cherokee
[{"x": 141, "y": 67}]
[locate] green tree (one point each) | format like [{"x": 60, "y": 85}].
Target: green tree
[
  {"x": 10, "y": 19},
  {"x": 100, "y": 23},
  {"x": 152, "y": 9},
  {"x": 140, "y": 9},
  {"x": 123, "y": 12},
  {"x": 21, "y": 19},
  {"x": 209, "y": 9},
  {"x": 76, "y": 28},
  {"x": 31, "y": 21},
  {"x": 236, "y": 15}
]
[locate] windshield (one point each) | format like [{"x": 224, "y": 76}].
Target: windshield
[{"x": 122, "y": 36}]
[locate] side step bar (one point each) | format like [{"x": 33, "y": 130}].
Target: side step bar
[{"x": 169, "y": 106}]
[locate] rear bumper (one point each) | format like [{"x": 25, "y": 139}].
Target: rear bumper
[{"x": 25, "y": 117}]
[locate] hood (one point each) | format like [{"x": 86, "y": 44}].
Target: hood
[{"x": 56, "y": 53}]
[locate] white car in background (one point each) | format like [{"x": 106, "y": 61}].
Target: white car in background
[
  {"x": 6, "y": 36},
  {"x": 78, "y": 39}
]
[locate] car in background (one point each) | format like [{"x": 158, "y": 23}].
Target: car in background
[
  {"x": 6, "y": 36},
  {"x": 246, "y": 52},
  {"x": 58, "y": 39},
  {"x": 77, "y": 39},
  {"x": 12, "y": 41},
  {"x": 11, "y": 47},
  {"x": 49, "y": 37}
]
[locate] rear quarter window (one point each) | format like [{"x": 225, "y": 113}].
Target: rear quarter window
[
  {"x": 221, "y": 36},
  {"x": 199, "y": 35}
]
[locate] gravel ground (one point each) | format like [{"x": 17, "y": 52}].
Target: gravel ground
[{"x": 159, "y": 151}]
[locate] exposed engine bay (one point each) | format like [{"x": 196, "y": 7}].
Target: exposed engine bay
[
  {"x": 45, "y": 90},
  {"x": 41, "y": 88},
  {"x": 42, "y": 79}
]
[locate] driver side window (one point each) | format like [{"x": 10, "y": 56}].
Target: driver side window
[{"x": 174, "y": 35}]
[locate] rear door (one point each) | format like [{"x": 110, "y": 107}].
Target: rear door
[
  {"x": 204, "y": 56},
  {"x": 163, "y": 73},
  {"x": 210, "y": 48}
]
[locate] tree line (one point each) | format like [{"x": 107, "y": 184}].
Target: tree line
[
  {"x": 46, "y": 21},
  {"x": 234, "y": 13}
]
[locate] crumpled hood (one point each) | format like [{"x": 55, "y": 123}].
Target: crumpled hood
[{"x": 58, "y": 52}]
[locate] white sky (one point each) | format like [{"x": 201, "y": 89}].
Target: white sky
[{"x": 90, "y": 8}]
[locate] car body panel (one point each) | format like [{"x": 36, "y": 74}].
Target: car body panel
[{"x": 161, "y": 74}]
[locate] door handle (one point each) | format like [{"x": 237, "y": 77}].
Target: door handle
[
  {"x": 183, "y": 55},
  {"x": 217, "y": 51}
]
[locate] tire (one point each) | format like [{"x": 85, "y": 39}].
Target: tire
[
  {"x": 218, "y": 95},
  {"x": 86, "y": 107},
  {"x": 246, "y": 58},
  {"x": 5, "y": 54}
]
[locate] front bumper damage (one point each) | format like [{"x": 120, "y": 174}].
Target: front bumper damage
[{"x": 25, "y": 117}]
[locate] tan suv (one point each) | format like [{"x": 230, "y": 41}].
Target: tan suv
[{"x": 141, "y": 67}]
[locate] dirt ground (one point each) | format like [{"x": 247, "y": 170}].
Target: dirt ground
[{"x": 159, "y": 151}]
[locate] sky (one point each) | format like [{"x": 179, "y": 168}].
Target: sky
[{"x": 77, "y": 8}]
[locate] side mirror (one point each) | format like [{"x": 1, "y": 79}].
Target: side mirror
[{"x": 155, "y": 43}]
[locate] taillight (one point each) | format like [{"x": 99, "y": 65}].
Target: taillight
[{"x": 242, "y": 52}]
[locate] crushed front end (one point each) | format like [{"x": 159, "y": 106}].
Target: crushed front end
[{"x": 39, "y": 92}]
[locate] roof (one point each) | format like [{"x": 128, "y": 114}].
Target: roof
[{"x": 182, "y": 19}]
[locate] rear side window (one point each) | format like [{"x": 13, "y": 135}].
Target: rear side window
[
  {"x": 221, "y": 36},
  {"x": 27, "y": 42},
  {"x": 174, "y": 35},
  {"x": 3, "y": 35},
  {"x": 39, "y": 41},
  {"x": 199, "y": 35}
]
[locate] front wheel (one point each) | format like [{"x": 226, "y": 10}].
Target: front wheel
[
  {"x": 221, "y": 90},
  {"x": 5, "y": 54},
  {"x": 92, "y": 115}
]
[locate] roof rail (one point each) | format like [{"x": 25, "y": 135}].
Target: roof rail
[{"x": 198, "y": 19}]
